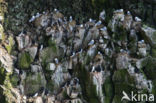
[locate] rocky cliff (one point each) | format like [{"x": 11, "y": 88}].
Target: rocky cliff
[{"x": 52, "y": 58}]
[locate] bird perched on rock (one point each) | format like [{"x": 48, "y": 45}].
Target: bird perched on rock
[
  {"x": 72, "y": 23},
  {"x": 137, "y": 24},
  {"x": 90, "y": 23},
  {"x": 43, "y": 20},
  {"x": 102, "y": 15},
  {"x": 91, "y": 42},
  {"x": 128, "y": 21}
]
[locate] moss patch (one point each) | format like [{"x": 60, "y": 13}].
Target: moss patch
[
  {"x": 123, "y": 76},
  {"x": 88, "y": 88},
  {"x": 25, "y": 60}
]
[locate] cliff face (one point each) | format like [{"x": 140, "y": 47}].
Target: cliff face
[
  {"x": 20, "y": 11},
  {"x": 52, "y": 58}
]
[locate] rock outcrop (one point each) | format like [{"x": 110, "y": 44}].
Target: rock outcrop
[{"x": 59, "y": 61}]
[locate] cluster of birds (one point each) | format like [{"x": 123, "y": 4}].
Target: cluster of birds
[{"x": 93, "y": 40}]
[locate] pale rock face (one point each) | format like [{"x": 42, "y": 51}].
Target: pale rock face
[
  {"x": 52, "y": 66},
  {"x": 142, "y": 82},
  {"x": 92, "y": 50},
  {"x": 118, "y": 18},
  {"x": 127, "y": 21},
  {"x": 1, "y": 32},
  {"x": 74, "y": 95},
  {"x": 76, "y": 101},
  {"x": 0, "y": 35},
  {"x": 77, "y": 44},
  {"x": 23, "y": 41},
  {"x": 32, "y": 51},
  {"x": 51, "y": 99},
  {"x": 142, "y": 52},
  {"x": 59, "y": 76},
  {"x": 102, "y": 15},
  {"x": 80, "y": 33},
  {"x": 6, "y": 60},
  {"x": 150, "y": 34},
  {"x": 142, "y": 48},
  {"x": 72, "y": 88},
  {"x": 35, "y": 68},
  {"x": 38, "y": 100},
  {"x": 98, "y": 81},
  {"x": 92, "y": 34},
  {"x": 122, "y": 61}
]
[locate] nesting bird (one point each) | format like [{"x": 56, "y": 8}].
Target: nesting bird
[
  {"x": 128, "y": 21},
  {"x": 102, "y": 15},
  {"x": 91, "y": 42}
]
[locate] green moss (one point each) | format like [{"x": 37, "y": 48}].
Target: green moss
[
  {"x": 65, "y": 95},
  {"x": 119, "y": 87},
  {"x": 9, "y": 46},
  {"x": 14, "y": 80},
  {"x": 2, "y": 78},
  {"x": 154, "y": 87},
  {"x": 154, "y": 52},
  {"x": 48, "y": 54},
  {"x": 34, "y": 82},
  {"x": 25, "y": 60},
  {"x": 2, "y": 75},
  {"x": 108, "y": 87},
  {"x": 88, "y": 88},
  {"x": 123, "y": 76},
  {"x": 150, "y": 69},
  {"x": 107, "y": 99},
  {"x": 50, "y": 86}
]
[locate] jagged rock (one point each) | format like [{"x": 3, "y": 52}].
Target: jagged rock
[
  {"x": 9, "y": 43},
  {"x": 142, "y": 48},
  {"x": 88, "y": 63},
  {"x": 32, "y": 51},
  {"x": 38, "y": 100},
  {"x": 122, "y": 61},
  {"x": 6, "y": 60},
  {"x": 76, "y": 101},
  {"x": 136, "y": 25},
  {"x": 48, "y": 54},
  {"x": 35, "y": 68},
  {"x": 51, "y": 99},
  {"x": 23, "y": 41},
  {"x": 117, "y": 19},
  {"x": 2, "y": 36},
  {"x": 149, "y": 35},
  {"x": 128, "y": 19},
  {"x": 92, "y": 51},
  {"x": 60, "y": 75},
  {"x": 92, "y": 34}
]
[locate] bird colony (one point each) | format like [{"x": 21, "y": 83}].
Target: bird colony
[{"x": 56, "y": 60}]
